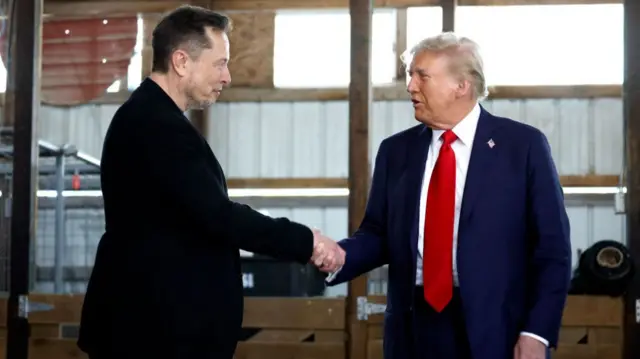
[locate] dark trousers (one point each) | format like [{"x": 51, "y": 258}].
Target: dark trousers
[{"x": 439, "y": 335}]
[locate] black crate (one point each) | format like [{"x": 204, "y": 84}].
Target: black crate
[{"x": 267, "y": 277}]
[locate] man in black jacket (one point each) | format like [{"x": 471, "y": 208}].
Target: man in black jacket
[{"x": 167, "y": 281}]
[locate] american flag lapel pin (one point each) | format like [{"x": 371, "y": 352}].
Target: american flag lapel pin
[{"x": 491, "y": 143}]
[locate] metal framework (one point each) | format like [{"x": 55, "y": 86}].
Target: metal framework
[{"x": 56, "y": 165}]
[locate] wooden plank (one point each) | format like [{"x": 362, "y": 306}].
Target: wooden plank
[
  {"x": 281, "y": 335},
  {"x": 294, "y": 313},
  {"x": 448, "y": 14},
  {"x": 66, "y": 309},
  {"x": 272, "y": 312},
  {"x": 149, "y": 23},
  {"x": 255, "y": 350},
  {"x": 388, "y": 93},
  {"x": 396, "y": 92},
  {"x": 48, "y": 348},
  {"x": 95, "y": 7},
  {"x": 252, "y": 47},
  {"x": 360, "y": 97},
  {"x": 580, "y": 311},
  {"x": 590, "y": 181},
  {"x": 24, "y": 32},
  {"x": 237, "y": 183},
  {"x": 67, "y": 349},
  {"x": 579, "y": 351},
  {"x": 566, "y": 351},
  {"x": 631, "y": 110},
  {"x": 401, "y": 44}
]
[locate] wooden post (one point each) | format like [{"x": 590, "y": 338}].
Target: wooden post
[
  {"x": 21, "y": 110},
  {"x": 401, "y": 44},
  {"x": 448, "y": 14},
  {"x": 149, "y": 22},
  {"x": 631, "y": 103},
  {"x": 360, "y": 103}
]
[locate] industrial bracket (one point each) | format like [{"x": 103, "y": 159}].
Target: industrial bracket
[
  {"x": 365, "y": 309},
  {"x": 25, "y": 307}
]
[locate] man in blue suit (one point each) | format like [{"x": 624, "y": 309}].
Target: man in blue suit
[{"x": 467, "y": 210}]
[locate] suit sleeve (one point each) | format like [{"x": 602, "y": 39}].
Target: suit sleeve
[
  {"x": 367, "y": 248},
  {"x": 176, "y": 157},
  {"x": 551, "y": 256}
]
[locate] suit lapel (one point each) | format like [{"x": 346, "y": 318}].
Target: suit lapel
[
  {"x": 483, "y": 157},
  {"x": 416, "y": 161}
]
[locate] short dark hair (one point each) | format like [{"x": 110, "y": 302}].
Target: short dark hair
[{"x": 184, "y": 27}]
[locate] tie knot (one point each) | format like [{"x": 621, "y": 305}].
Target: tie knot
[{"x": 448, "y": 137}]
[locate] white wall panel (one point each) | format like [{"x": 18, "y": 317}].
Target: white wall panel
[
  {"x": 82, "y": 126},
  {"x": 310, "y": 139}
]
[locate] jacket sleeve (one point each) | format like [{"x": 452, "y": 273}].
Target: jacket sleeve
[
  {"x": 551, "y": 259},
  {"x": 367, "y": 248},
  {"x": 176, "y": 157}
]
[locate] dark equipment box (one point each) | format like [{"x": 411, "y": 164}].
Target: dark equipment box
[{"x": 266, "y": 277}]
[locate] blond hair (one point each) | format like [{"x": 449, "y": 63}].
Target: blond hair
[{"x": 466, "y": 53}]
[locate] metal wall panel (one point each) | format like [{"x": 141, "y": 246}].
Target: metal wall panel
[
  {"x": 310, "y": 139},
  {"x": 82, "y": 126}
]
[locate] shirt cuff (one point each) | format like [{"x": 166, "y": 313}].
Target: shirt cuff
[
  {"x": 333, "y": 275},
  {"x": 537, "y": 337}
]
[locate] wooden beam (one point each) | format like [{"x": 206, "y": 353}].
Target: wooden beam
[
  {"x": 237, "y": 183},
  {"x": 448, "y": 14},
  {"x": 200, "y": 120},
  {"x": 149, "y": 23},
  {"x": 306, "y": 183},
  {"x": 401, "y": 44},
  {"x": 21, "y": 113},
  {"x": 631, "y": 103},
  {"x": 104, "y": 7},
  {"x": 360, "y": 104},
  {"x": 396, "y": 92}
]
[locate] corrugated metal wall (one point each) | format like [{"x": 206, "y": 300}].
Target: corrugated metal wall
[{"x": 310, "y": 139}]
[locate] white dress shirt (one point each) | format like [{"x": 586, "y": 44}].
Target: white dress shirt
[{"x": 465, "y": 130}]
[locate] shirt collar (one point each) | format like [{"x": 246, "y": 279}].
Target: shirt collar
[{"x": 465, "y": 129}]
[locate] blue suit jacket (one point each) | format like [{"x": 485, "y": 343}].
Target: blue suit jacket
[{"x": 514, "y": 253}]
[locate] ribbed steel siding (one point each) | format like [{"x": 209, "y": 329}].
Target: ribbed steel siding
[
  {"x": 82, "y": 126},
  {"x": 310, "y": 139}
]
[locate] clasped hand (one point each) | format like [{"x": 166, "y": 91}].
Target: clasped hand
[{"x": 328, "y": 256}]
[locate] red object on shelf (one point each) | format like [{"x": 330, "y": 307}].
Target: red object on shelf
[{"x": 75, "y": 182}]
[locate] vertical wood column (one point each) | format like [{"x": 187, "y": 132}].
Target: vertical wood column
[
  {"x": 401, "y": 44},
  {"x": 360, "y": 103},
  {"x": 631, "y": 103},
  {"x": 200, "y": 120},
  {"x": 149, "y": 22},
  {"x": 22, "y": 103},
  {"x": 448, "y": 14}
]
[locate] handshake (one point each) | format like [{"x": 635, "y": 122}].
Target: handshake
[{"x": 328, "y": 256}]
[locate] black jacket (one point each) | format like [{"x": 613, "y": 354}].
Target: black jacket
[{"x": 167, "y": 281}]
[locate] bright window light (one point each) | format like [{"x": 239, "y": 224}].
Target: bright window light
[{"x": 312, "y": 48}]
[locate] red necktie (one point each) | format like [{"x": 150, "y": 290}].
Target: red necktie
[{"x": 437, "y": 267}]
